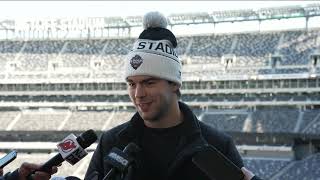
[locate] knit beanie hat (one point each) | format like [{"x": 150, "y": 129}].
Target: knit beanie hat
[{"x": 153, "y": 52}]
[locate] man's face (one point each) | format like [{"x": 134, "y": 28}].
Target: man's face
[{"x": 152, "y": 97}]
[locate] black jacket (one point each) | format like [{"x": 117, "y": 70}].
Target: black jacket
[{"x": 197, "y": 137}]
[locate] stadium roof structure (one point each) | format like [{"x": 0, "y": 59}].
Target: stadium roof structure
[
  {"x": 234, "y": 15},
  {"x": 7, "y": 24},
  {"x": 261, "y": 14},
  {"x": 190, "y": 18},
  {"x": 312, "y": 9},
  {"x": 246, "y": 15},
  {"x": 116, "y": 22},
  {"x": 134, "y": 20}
]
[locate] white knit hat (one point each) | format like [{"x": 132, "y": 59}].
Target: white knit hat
[{"x": 153, "y": 53}]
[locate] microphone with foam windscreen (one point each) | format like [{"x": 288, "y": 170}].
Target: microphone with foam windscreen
[
  {"x": 71, "y": 149},
  {"x": 121, "y": 161}
]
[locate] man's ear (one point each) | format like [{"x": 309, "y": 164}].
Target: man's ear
[{"x": 174, "y": 86}]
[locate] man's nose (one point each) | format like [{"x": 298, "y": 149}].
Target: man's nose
[{"x": 140, "y": 91}]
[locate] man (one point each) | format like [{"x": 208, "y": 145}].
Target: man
[
  {"x": 24, "y": 170},
  {"x": 165, "y": 129}
]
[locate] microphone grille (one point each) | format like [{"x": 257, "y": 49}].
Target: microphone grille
[
  {"x": 87, "y": 138},
  {"x": 131, "y": 148}
]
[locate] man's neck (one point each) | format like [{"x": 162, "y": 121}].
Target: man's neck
[{"x": 173, "y": 118}]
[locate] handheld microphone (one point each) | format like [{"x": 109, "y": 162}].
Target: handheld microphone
[
  {"x": 93, "y": 176},
  {"x": 121, "y": 160},
  {"x": 8, "y": 158},
  {"x": 216, "y": 166},
  {"x": 71, "y": 149},
  {"x": 65, "y": 178},
  {"x": 72, "y": 178}
]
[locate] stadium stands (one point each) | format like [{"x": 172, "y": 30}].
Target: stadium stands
[
  {"x": 265, "y": 167},
  {"x": 6, "y": 118},
  {"x": 310, "y": 119},
  {"x": 206, "y": 57},
  {"x": 209, "y": 47},
  {"x": 120, "y": 116},
  {"x": 39, "y": 121},
  {"x": 305, "y": 169},
  {"x": 250, "y": 50},
  {"x": 263, "y": 119},
  {"x": 297, "y": 46},
  {"x": 80, "y": 120},
  {"x": 274, "y": 119},
  {"x": 314, "y": 126},
  {"x": 62, "y": 120},
  {"x": 226, "y": 122}
]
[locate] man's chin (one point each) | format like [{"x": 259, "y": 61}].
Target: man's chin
[{"x": 147, "y": 117}]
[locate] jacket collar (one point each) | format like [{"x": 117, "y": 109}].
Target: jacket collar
[
  {"x": 190, "y": 143},
  {"x": 135, "y": 126}
]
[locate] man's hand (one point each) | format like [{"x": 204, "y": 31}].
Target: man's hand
[
  {"x": 27, "y": 168},
  {"x": 247, "y": 174}
]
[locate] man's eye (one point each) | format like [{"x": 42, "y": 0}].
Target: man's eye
[{"x": 151, "y": 82}]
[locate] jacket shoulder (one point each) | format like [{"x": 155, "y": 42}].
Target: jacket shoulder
[
  {"x": 221, "y": 141},
  {"x": 107, "y": 140},
  {"x": 111, "y": 135},
  {"x": 214, "y": 136}
]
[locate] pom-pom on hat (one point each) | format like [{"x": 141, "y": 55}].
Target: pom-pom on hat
[{"x": 153, "y": 53}]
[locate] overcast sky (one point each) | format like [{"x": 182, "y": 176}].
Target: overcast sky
[{"x": 14, "y": 9}]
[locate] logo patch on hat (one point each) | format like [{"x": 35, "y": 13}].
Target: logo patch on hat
[{"x": 136, "y": 61}]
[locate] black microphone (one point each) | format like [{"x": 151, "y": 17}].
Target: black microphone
[
  {"x": 72, "y": 178},
  {"x": 65, "y": 178},
  {"x": 216, "y": 166},
  {"x": 71, "y": 149},
  {"x": 93, "y": 176},
  {"x": 121, "y": 160}
]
